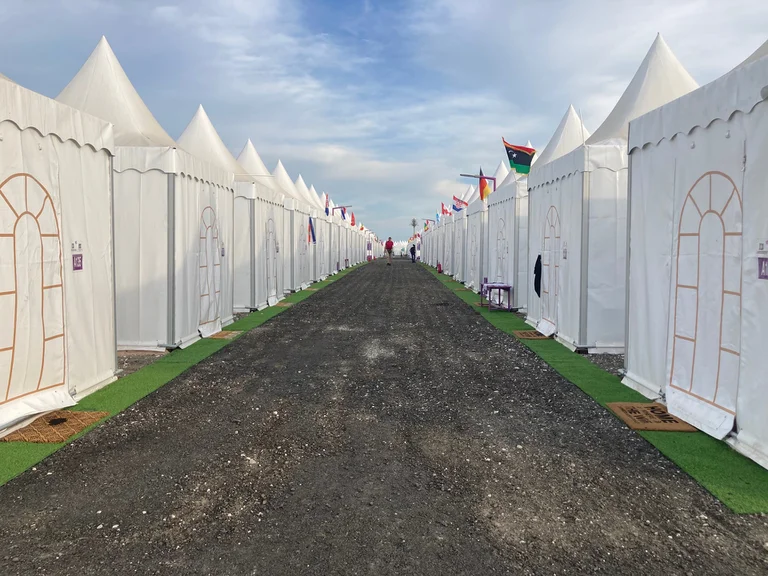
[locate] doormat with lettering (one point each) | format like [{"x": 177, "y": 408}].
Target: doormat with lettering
[
  {"x": 225, "y": 334},
  {"x": 55, "y": 428},
  {"x": 645, "y": 416},
  {"x": 530, "y": 335}
]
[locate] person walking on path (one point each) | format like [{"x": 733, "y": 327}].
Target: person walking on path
[
  {"x": 413, "y": 253},
  {"x": 388, "y": 247}
]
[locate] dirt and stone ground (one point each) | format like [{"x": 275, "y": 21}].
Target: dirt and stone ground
[{"x": 380, "y": 427}]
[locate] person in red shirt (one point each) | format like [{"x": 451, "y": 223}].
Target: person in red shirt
[{"x": 388, "y": 247}]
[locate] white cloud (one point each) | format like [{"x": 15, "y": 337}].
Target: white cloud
[{"x": 381, "y": 103}]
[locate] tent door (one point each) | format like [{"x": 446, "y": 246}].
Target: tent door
[
  {"x": 550, "y": 274},
  {"x": 32, "y": 351},
  {"x": 706, "y": 334},
  {"x": 210, "y": 272},
  {"x": 271, "y": 247},
  {"x": 501, "y": 251}
]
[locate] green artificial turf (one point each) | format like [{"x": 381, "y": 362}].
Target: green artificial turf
[
  {"x": 735, "y": 480},
  {"x": 16, "y": 457}
]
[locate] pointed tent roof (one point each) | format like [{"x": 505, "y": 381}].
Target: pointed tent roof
[
  {"x": 301, "y": 186},
  {"x": 201, "y": 139},
  {"x": 536, "y": 156},
  {"x": 102, "y": 88},
  {"x": 570, "y": 134},
  {"x": 511, "y": 178},
  {"x": 474, "y": 196},
  {"x": 761, "y": 52},
  {"x": 320, "y": 199},
  {"x": 501, "y": 172},
  {"x": 468, "y": 192},
  {"x": 284, "y": 181},
  {"x": 660, "y": 78},
  {"x": 252, "y": 165}
]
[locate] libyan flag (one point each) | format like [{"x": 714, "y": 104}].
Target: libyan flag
[{"x": 520, "y": 157}]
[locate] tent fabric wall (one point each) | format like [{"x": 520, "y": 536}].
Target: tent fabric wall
[
  {"x": 57, "y": 342},
  {"x": 508, "y": 238},
  {"x": 189, "y": 194},
  {"x": 578, "y": 215},
  {"x": 698, "y": 254},
  {"x": 477, "y": 240},
  {"x": 170, "y": 210},
  {"x": 459, "y": 245},
  {"x": 577, "y": 224}
]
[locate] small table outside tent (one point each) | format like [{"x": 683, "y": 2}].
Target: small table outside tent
[{"x": 486, "y": 291}]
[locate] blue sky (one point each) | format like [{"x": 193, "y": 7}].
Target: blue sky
[{"x": 379, "y": 103}]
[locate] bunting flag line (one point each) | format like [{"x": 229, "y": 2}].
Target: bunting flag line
[{"x": 520, "y": 157}]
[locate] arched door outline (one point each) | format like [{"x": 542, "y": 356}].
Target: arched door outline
[
  {"x": 41, "y": 210},
  {"x": 271, "y": 248},
  {"x": 692, "y": 217},
  {"x": 550, "y": 263},
  {"x": 210, "y": 267},
  {"x": 501, "y": 251}
]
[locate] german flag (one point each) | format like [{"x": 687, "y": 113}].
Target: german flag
[
  {"x": 520, "y": 157},
  {"x": 485, "y": 188}
]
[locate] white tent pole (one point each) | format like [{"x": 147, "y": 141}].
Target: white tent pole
[
  {"x": 114, "y": 273},
  {"x": 171, "y": 283}
]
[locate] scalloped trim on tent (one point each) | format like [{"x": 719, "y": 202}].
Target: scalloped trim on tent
[
  {"x": 30, "y": 110},
  {"x": 740, "y": 90}
]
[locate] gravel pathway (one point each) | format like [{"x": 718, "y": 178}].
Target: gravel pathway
[{"x": 380, "y": 427}]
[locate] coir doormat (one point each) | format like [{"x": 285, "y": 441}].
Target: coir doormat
[
  {"x": 225, "y": 334},
  {"x": 284, "y": 304},
  {"x": 530, "y": 335},
  {"x": 645, "y": 416},
  {"x": 55, "y": 428}
]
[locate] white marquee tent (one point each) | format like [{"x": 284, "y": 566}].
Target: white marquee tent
[
  {"x": 217, "y": 224},
  {"x": 698, "y": 257},
  {"x": 477, "y": 244},
  {"x": 460, "y": 241},
  {"x": 577, "y": 217},
  {"x": 323, "y": 229},
  {"x": 313, "y": 202},
  {"x": 267, "y": 227},
  {"x": 297, "y": 261},
  {"x": 165, "y": 201},
  {"x": 569, "y": 135},
  {"x": 252, "y": 198},
  {"x": 57, "y": 299},
  {"x": 508, "y": 236}
]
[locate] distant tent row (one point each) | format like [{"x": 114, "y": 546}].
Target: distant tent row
[
  {"x": 115, "y": 236},
  {"x": 648, "y": 235}
]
